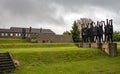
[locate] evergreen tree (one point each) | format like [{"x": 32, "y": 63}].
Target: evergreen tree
[
  {"x": 116, "y": 36},
  {"x": 75, "y": 32}
]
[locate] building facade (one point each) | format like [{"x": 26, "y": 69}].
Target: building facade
[
  {"x": 17, "y": 32},
  {"x": 41, "y": 35}
]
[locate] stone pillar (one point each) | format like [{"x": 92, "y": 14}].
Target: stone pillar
[
  {"x": 96, "y": 45},
  {"x": 86, "y": 45},
  {"x": 99, "y": 45},
  {"x": 78, "y": 44},
  {"x": 113, "y": 49},
  {"x": 110, "y": 48},
  {"x": 81, "y": 45}
]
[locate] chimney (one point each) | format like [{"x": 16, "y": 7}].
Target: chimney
[
  {"x": 40, "y": 30},
  {"x": 30, "y": 29}
]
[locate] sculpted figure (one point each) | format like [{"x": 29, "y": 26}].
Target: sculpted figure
[
  {"x": 84, "y": 33},
  {"x": 111, "y": 31},
  {"x": 100, "y": 32}
]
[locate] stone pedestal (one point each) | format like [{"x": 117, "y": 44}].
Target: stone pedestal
[
  {"x": 110, "y": 48},
  {"x": 81, "y": 45},
  {"x": 96, "y": 45},
  {"x": 86, "y": 45},
  {"x": 105, "y": 48},
  {"x": 113, "y": 49}
]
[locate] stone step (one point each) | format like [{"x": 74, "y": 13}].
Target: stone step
[
  {"x": 2, "y": 60},
  {"x": 6, "y": 62},
  {"x": 6, "y": 65},
  {"x": 4, "y": 57},
  {"x": 3, "y": 69}
]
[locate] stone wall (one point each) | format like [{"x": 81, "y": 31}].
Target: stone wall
[
  {"x": 44, "y": 38},
  {"x": 108, "y": 48},
  {"x": 41, "y": 38}
]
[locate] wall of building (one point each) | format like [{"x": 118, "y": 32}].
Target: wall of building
[
  {"x": 41, "y": 38},
  {"x": 10, "y": 35},
  {"x": 54, "y": 38}
]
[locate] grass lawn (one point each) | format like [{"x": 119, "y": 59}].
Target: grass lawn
[{"x": 64, "y": 59}]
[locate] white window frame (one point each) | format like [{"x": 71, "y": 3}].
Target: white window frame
[
  {"x": 2, "y": 34},
  {"x": 11, "y": 34},
  {"x": 6, "y": 34},
  {"x": 16, "y": 34},
  {"x": 19, "y": 34}
]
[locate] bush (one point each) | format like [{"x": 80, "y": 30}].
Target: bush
[{"x": 34, "y": 41}]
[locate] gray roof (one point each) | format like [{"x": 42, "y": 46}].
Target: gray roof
[
  {"x": 33, "y": 30},
  {"x": 5, "y": 30}
]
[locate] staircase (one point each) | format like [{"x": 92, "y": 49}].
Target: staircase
[{"x": 6, "y": 63}]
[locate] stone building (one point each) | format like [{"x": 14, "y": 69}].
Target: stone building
[
  {"x": 41, "y": 35},
  {"x": 16, "y": 32}
]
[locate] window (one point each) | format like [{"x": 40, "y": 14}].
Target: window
[
  {"x": 43, "y": 41},
  {"x": 26, "y": 35},
  {"x": 16, "y": 34},
  {"x": 6, "y": 34},
  {"x": 11, "y": 34},
  {"x": 2, "y": 34},
  {"x": 19, "y": 34}
]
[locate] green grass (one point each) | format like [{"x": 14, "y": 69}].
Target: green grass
[
  {"x": 12, "y": 41},
  {"x": 36, "y": 45},
  {"x": 62, "y": 59}
]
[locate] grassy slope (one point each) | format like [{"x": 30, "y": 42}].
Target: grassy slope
[{"x": 64, "y": 60}]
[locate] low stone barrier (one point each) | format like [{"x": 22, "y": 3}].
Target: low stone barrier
[
  {"x": 86, "y": 45},
  {"x": 109, "y": 48}
]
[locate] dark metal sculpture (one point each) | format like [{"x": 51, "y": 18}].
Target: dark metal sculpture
[
  {"x": 84, "y": 33},
  {"x": 91, "y": 32},
  {"x": 30, "y": 29},
  {"x": 100, "y": 32},
  {"x": 110, "y": 31},
  {"x": 96, "y": 32}
]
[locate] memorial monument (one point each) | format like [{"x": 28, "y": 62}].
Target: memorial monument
[{"x": 99, "y": 35}]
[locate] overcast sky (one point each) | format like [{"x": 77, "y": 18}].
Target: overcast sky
[{"x": 57, "y": 15}]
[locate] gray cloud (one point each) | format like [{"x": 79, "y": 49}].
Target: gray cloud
[{"x": 55, "y": 13}]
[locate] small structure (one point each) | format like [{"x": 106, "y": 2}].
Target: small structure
[
  {"x": 109, "y": 48},
  {"x": 92, "y": 37},
  {"x": 19, "y": 32},
  {"x": 36, "y": 34},
  {"x": 6, "y": 63}
]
